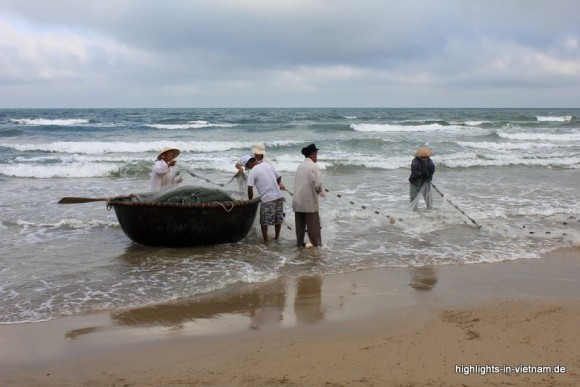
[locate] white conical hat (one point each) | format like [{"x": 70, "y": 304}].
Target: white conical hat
[{"x": 167, "y": 149}]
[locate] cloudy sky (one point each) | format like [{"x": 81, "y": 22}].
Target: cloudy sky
[{"x": 289, "y": 53}]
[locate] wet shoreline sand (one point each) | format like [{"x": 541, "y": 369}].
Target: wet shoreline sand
[{"x": 476, "y": 324}]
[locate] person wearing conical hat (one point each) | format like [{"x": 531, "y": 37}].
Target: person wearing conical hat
[
  {"x": 422, "y": 171},
  {"x": 162, "y": 174}
]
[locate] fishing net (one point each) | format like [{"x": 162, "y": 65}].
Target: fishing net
[
  {"x": 191, "y": 195},
  {"x": 242, "y": 180},
  {"x": 425, "y": 193}
]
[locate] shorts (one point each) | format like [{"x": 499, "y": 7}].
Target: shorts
[{"x": 272, "y": 212}]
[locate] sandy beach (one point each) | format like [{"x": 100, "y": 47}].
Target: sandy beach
[{"x": 510, "y": 323}]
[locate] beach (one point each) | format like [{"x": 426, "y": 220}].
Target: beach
[
  {"x": 505, "y": 323},
  {"x": 488, "y": 278}
]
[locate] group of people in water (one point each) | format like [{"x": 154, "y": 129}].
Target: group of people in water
[{"x": 263, "y": 177}]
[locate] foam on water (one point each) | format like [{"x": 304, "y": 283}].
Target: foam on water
[
  {"x": 554, "y": 119},
  {"x": 190, "y": 125},
  {"x": 403, "y": 128},
  {"x": 49, "y": 122},
  {"x": 574, "y": 136},
  {"x": 76, "y": 170},
  {"x": 97, "y": 147}
]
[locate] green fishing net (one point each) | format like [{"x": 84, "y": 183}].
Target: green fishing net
[{"x": 192, "y": 195}]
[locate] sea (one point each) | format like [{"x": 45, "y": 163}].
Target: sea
[{"x": 508, "y": 188}]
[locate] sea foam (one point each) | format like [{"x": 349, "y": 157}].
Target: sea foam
[{"x": 49, "y": 122}]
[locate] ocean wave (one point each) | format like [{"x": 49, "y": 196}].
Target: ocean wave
[
  {"x": 49, "y": 122},
  {"x": 400, "y": 128},
  {"x": 554, "y": 118},
  {"x": 474, "y": 123},
  {"x": 540, "y": 136},
  {"x": 512, "y": 145},
  {"x": 76, "y": 170},
  {"x": 190, "y": 125},
  {"x": 507, "y": 160},
  {"x": 96, "y": 147}
]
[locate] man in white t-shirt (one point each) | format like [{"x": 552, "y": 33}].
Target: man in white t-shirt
[{"x": 267, "y": 181}]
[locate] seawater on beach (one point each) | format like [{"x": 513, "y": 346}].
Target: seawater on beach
[{"x": 515, "y": 174}]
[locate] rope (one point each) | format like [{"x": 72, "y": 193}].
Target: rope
[
  {"x": 363, "y": 207},
  {"x": 224, "y": 207},
  {"x": 457, "y": 208},
  {"x": 353, "y": 203},
  {"x": 203, "y": 178}
]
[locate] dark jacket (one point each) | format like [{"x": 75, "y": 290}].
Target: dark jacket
[{"x": 421, "y": 170}]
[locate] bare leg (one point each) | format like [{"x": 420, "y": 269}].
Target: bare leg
[{"x": 265, "y": 233}]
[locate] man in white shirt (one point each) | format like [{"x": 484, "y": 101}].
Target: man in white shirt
[
  {"x": 162, "y": 174},
  {"x": 307, "y": 188},
  {"x": 266, "y": 180}
]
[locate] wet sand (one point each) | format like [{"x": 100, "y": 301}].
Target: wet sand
[{"x": 509, "y": 323}]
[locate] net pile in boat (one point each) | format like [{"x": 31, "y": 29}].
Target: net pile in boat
[{"x": 189, "y": 195}]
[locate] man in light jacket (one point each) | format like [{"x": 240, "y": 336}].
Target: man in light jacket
[{"x": 307, "y": 188}]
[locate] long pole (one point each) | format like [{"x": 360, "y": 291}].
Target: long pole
[{"x": 457, "y": 208}]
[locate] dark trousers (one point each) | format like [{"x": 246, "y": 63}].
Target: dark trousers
[{"x": 308, "y": 221}]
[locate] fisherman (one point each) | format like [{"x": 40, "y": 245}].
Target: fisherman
[
  {"x": 259, "y": 153},
  {"x": 307, "y": 188},
  {"x": 267, "y": 181},
  {"x": 422, "y": 170},
  {"x": 162, "y": 174}
]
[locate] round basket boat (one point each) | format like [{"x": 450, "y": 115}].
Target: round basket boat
[{"x": 185, "y": 224}]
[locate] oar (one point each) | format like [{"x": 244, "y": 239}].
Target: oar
[
  {"x": 75, "y": 200},
  {"x": 457, "y": 208}
]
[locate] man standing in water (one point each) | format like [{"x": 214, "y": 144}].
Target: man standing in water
[
  {"x": 267, "y": 182},
  {"x": 162, "y": 174},
  {"x": 307, "y": 188},
  {"x": 422, "y": 170}
]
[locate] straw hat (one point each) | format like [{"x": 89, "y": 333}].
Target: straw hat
[
  {"x": 424, "y": 152},
  {"x": 259, "y": 149},
  {"x": 167, "y": 149}
]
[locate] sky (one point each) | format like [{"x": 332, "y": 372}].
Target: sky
[{"x": 289, "y": 53}]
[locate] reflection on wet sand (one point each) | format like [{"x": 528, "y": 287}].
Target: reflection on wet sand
[
  {"x": 263, "y": 304},
  {"x": 245, "y": 301},
  {"x": 422, "y": 277},
  {"x": 308, "y": 302},
  {"x": 270, "y": 308}
]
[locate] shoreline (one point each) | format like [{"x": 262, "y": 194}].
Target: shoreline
[{"x": 389, "y": 326}]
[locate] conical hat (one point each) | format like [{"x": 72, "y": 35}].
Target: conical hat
[
  {"x": 424, "y": 152},
  {"x": 167, "y": 149}
]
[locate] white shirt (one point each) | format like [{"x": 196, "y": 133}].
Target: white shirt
[
  {"x": 307, "y": 185},
  {"x": 264, "y": 178},
  {"x": 161, "y": 175}
]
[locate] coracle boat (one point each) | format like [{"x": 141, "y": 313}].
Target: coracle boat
[{"x": 185, "y": 216}]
